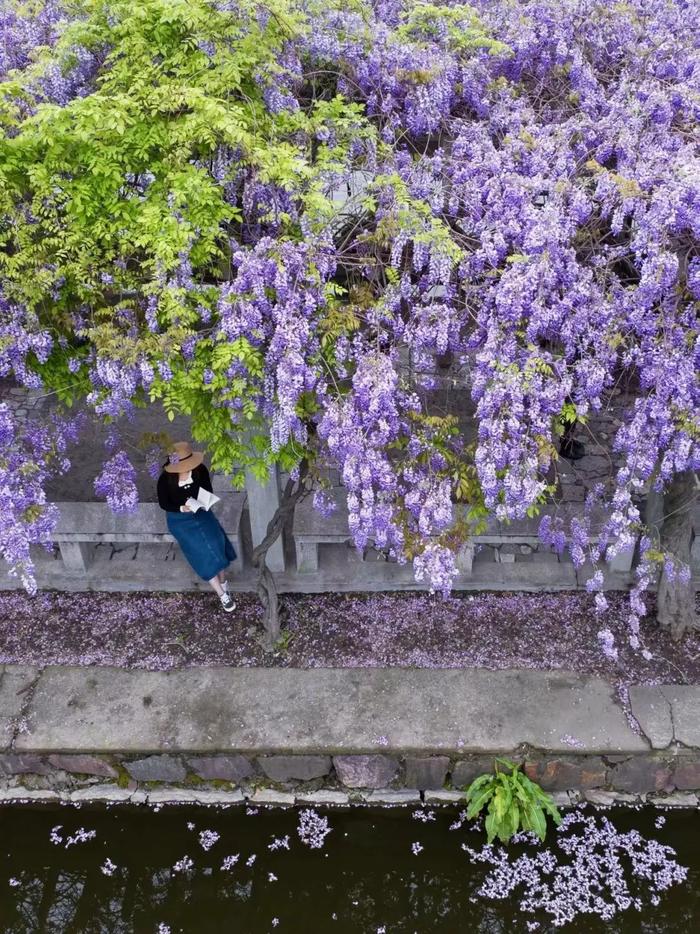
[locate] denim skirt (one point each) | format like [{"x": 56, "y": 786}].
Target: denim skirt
[{"x": 202, "y": 541}]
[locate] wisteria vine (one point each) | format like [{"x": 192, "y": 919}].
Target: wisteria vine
[{"x": 408, "y": 181}]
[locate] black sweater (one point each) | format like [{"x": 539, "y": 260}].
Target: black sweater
[{"x": 171, "y": 496}]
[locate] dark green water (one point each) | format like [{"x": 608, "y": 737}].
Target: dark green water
[{"x": 365, "y": 877}]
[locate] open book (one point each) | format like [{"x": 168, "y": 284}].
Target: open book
[{"x": 205, "y": 500}]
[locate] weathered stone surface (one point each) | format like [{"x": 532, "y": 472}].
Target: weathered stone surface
[
  {"x": 171, "y": 796},
  {"x": 563, "y": 799},
  {"x": 466, "y": 770},
  {"x": 389, "y": 796},
  {"x": 311, "y": 711},
  {"x": 443, "y": 796},
  {"x": 29, "y": 794},
  {"x": 685, "y": 704},
  {"x": 641, "y": 774},
  {"x": 14, "y": 764},
  {"x": 156, "y": 769},
  {"x": 83, "y": 765},
  {"x": 323, "y": 797},
  {"x": 101, "y": 793},
  {"x": 686, "y": 774},
  {"x": 217, "y": 796},
  {"x": 290, "y": 768},
  {"x": 13, "y": 678},
  {"x": 424, "y": 773},
  {"x": 365, "y": 771},
  {"x": 227, "y": 768},
  {"x": 677, "y": 799},
  {"x": 653, "y": 713},
  {"x": 272, "y": 796},
  {"x": 608, "y": 798},
  {"x": 561, "y": 774}
]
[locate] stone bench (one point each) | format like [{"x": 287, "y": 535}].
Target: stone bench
[
  {"x": 311, "y": 529},
  {"x": 82, "y": 525},
  {"x": 526, "y": 532}
]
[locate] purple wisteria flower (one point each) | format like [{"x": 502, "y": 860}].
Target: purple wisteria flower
[
  {"x": 313, "y": 829},
  {"x": 117, "y": 483}
]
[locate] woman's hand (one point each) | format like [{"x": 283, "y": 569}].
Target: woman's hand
[{"x": 185, "y": 508}]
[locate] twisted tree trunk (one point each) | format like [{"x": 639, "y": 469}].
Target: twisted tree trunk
[
  {"x": 676, "y": 599},
  {"x": 266, "y": 586}
]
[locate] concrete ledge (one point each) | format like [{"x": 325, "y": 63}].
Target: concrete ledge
[
  {"x": 321, "y": 712},
  {"x": 272, "y": 736}
]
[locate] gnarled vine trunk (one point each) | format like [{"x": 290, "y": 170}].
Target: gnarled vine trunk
[
  {"x": 676, "y": 599},
  {"x": 266, "y": 587}
]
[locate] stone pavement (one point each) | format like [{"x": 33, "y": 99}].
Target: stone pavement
[
  {"x": 305, "y": 730},
  {"x": 289, "y": 711}
]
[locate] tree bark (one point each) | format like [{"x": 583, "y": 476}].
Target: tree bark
[
  {"x": 676, "y": 599},
  {"x": 266, "y": 585}
]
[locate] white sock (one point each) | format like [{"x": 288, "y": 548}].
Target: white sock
[{"x": 225, "y": 586}]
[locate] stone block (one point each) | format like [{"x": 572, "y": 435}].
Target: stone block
[
  {"x": 76, "y": 555},
  {"x": 227, "y": 768},
  {"x": 608, "y": 798},
  {"x": 653, "y": 713},
  {"x": 677, "y": 799},
  {"x": 685, "y": 703},
  {"x": 577, "y": 772},
  {"x": 443, "y": 796},
  {"x": 365, "y": 771},
  {"x": 307, "y": 557},
  {"x": 686, "y": 774},
  {"x": 621, "y": 563},
  {"x": 29, "y": 794},
  {"x": 465, "y": 771},
  {"x": 641, "y": 774},
  {"x": 156, "y": 769},
  {"x": 323, "y": 797},
  {"x": 15, "y": 764},
  {"x": 505, "y": 554},
  {"x": 389, "y": 796},
  {"x": 562, "y": 799},
  {"x": 15, "y": 680},
  {"x": 426, "y": 773},
  {"x": 464, "y": 560},
  {"x": 291, "y": 768},
  {"x": 217, "y": 796},
  {"x": 83, "y": 765},
  {"x": 171, "y": 796},
  {"x": 272, "y": 796},
  {"x": 101, "y": 793}
]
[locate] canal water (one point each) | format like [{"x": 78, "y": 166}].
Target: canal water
[{"x": 201, "y": 870}]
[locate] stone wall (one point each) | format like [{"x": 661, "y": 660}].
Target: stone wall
[
  {"x": 379, "y": 735},
  {"x": 338, "y": 779}
]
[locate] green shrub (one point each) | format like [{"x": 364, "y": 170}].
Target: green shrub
[{"x": 514, "y": 803}]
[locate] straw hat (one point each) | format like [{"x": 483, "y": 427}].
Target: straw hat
[{"x": 182, "y": 458}]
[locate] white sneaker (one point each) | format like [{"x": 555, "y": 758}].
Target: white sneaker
[{"x": 227, "y": 602}]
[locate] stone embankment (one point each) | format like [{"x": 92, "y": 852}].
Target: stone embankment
[{"x": 338, "y": 735}]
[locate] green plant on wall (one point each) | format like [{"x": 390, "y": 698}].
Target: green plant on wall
[{"x": 514, "y": 803}]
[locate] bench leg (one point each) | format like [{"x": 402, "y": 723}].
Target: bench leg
[
  {"x": 307, "y": 557},
  {"x": 622, "y": 562},
  {"x": 465, "y": 559},
  {"x": 76, "y": 555},
  {"x": 238, "y": 563}
]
